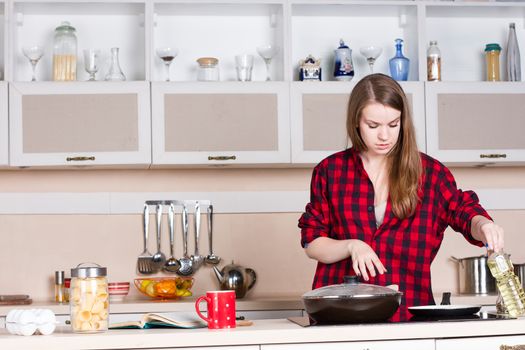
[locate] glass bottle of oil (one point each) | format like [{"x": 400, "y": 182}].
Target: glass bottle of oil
[{"x": 508, "y": 283}]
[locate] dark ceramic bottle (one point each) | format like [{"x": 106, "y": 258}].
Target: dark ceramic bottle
[{"x": 399, "y": 64}]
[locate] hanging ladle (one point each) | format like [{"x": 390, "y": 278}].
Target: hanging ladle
[
  {"x": 211, "y": 259},
  {"x": 196, "y": 257},
  {"x": 186, "y": 265},
  {"x": 159, "y": 258},
  {"x": 172, "y": 264}
]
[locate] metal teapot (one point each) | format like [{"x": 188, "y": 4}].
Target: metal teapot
[{"x": 237, "y": 278}]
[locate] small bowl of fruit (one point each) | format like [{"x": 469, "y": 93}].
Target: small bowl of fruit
[{"x": 165, "y": 287}]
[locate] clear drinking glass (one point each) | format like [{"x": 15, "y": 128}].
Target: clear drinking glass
[
  {"x": 267, "y": 52},
  {"x": 167, "y": 55},
  {"x": 91, "y": 62},
  {"x": 244, "y": 65},
  {"x": 34, "y": 54}
]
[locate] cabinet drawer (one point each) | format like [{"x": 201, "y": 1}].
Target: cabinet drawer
[
  {"x": 426, "y": 344},
  {"x": 480, "y": 343}
]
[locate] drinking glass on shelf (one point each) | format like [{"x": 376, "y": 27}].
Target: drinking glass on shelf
[
  {"x": 33, "y": 54},
  {"x": 244, "y": 65},
  {"x": 91, "y": 62},
  {"x": 371, "y": 54},
  {"x": 167, "y": 54},
  {"x": 267, "y": 52}
]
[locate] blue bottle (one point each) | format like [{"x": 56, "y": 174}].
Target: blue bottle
[{"x": 399, "y": 64}]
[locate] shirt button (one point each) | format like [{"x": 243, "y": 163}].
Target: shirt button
[{"x": 370, "y": 208}]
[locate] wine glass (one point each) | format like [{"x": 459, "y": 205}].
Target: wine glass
[
  {"x": 34, "y": 54},
  {"x": 371, "y": 53},
  {"x": 91, "y": 62},
  {"x": 267, "y": 52},
  {"x": 167, "y": 54}
]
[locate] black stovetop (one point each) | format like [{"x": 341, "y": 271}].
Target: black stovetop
[{"x": 305, "y": 321}]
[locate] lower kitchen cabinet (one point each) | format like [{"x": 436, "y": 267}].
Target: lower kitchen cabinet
[
  {"x": 240, "y": 347},
  {"x": 4, "y": 126},
  {"x": 318, "y": 118},
  {"x": 476, "y": 123},
  {"x": 479, "y": 343},
  {"x": 237, "y": 123},
  {"x": 425, "y": 344},
  {"x": 80, "y": 123}
]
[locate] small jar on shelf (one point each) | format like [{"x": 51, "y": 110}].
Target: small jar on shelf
[
  {"x": 492, "y": 52},
  {"x": 208, "y": 69}
]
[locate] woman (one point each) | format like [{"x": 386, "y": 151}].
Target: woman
[{"x": 379, "y": 208}]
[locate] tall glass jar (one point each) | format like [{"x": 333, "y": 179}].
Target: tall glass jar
[
  {"x": 65, "y": 53},
  {"x": 89, "y": 298},
  {"x": 492, "y": 52}
]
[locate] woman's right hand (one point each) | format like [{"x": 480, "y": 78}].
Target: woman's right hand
[{"x": 364, "y": 258}]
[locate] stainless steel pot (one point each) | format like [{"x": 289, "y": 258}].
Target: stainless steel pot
[
  {"x": 475, "y": 276},
  {"x": 519, "y": 270}
]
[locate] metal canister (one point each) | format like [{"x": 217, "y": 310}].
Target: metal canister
[
  {"x": 343, "y": 64},
  {"x": 89, "y": 298}
]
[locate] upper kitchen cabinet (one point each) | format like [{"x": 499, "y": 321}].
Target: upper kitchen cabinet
[
  {"x": 84, "y": 123},
  {"x": 476, "y": 123},
  {"x": 462, "y": 29},
  {"x": 99, "y": 25},
  {"x": 319, "y": 113},
  {"x": 238, "y": 123},
  {"x": 217, "y": 29},
  {"x": 317, "y": 27}
]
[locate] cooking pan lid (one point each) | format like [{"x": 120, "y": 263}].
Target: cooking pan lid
[{"x": 351, "y": 288}]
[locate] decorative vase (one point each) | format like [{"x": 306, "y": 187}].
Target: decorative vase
[
  {"x": 399, "y": 64},
  {"x": 114, "y": 72}
]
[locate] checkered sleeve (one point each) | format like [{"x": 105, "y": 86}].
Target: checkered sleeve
[
  {"x": 459, "y": 207},
  {"x": 315, "y": 221}
]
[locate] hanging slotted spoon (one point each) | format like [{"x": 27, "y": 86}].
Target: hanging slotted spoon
[
  {"x": 145, "y": 259},
  {"x": 158, "y": 258},
  {"x": 186, "y": 265}
]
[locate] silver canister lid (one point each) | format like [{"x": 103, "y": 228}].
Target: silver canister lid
[
  {"x": 85, "y": 270},
  {"x": 59, "y": 277}
]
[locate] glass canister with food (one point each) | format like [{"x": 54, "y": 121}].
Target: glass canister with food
[
  {"x": 65, "y": 53},
  {"x": 89, "y": 298}
]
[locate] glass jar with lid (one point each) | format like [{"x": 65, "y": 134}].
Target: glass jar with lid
[
  {"x": 65, "y": 53},
  {"x": 492, "y": 52},
  {"x": 89, "y": 298},
  {"x": 208, "y": 69}
]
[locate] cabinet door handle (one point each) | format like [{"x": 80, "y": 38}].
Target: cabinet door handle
[
  {"x": 79, "y": 159},
  {"x": 512, "y": 347},
  {"x": 493, "y": 155},
  {"x": 222, "y": 157}
]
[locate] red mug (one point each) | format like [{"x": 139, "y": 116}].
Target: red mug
[{"x": 221, "y": 309}]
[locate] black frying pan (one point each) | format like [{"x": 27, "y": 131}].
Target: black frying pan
[{"x": 444, "y": 310}]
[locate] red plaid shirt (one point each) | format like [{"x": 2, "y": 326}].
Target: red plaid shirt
[{"x": 342, "y": 207}]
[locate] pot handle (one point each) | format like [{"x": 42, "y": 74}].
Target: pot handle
[
  {"x": 253, "y": 275},
  {"x": 453, "y": 258}
]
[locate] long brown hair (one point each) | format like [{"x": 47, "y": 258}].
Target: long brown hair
[{"x": 403, "y": 161}]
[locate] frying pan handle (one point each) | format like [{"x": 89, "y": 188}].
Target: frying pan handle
[{"x": 445, "y": 299}]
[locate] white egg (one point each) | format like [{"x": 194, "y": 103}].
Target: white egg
[
  {"x": 26, "y": 316},
  {"x": 12, "y": 327},
  {"x": 47, "y": 328},
  {"x": 27, "y": 329},
  {"x": 11, "y": 315}
]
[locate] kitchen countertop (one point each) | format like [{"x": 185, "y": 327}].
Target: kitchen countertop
[
  {"x": 276, "y": 331},
  {"x": 188, "y": 304}
]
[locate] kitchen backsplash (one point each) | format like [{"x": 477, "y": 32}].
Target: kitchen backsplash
[{"x": 34, "y": 246}]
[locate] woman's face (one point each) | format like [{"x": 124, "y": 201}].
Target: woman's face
[{"x": 379, "y": 128}]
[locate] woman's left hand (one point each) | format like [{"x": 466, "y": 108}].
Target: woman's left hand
[{"x": 488, "y": 232}]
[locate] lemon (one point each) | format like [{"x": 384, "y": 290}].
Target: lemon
[
  {"x": 150, "y": 290},
  {"x": 144, "y": 284}
]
